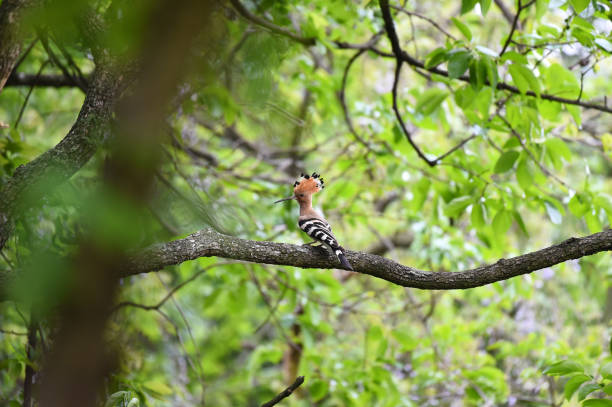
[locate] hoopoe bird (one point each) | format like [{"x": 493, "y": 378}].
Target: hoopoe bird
[{"x": 310, "y": 221}]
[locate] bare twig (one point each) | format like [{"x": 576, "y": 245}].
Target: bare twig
[
  {"x": 270, "y": 26},
  {"x": 172, "y": 291},
  {"x": 415, "y": 63},
  {"x": 530, "y": 154},
  {"x": 422, "y": 17},
  {"x": 27, "y": 98},
  {"x": 399, "y": 53},
  {"x": 285, "y": 393},
  {"x": 342, "y": 98},
  {"x": 519, "y": 8}
]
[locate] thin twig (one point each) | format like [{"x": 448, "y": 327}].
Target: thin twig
[
  {"x": 342, "y": 97},
  {"x": 9, "y": 332},
  {"x": 422, "y": 17},
  {"x": 173, "y": 290},
  {"x": 270, "y": 26},
  {"x": 415, "y": 63},
  {"x": 27, "y": 98},
  {"x": 530, "y": 154},
  {"x": 398, "y": 52},
  {"x": 285, "y": 393},
  {"x": 519, "y": 8}
]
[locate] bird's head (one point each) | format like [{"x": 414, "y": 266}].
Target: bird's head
[{"x": 304, "y": 187}]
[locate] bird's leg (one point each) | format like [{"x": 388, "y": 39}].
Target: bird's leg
[{"x": 314, "y": 243}]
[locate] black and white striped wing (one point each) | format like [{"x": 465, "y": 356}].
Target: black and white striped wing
[{"x": 320, "y": 231}]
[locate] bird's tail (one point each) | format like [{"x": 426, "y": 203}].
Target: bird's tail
[{"x": 340, "y": 254}]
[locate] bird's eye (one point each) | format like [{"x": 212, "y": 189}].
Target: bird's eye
[{"x": 301, "y": 194}]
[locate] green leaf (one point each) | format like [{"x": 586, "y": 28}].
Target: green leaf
[
  {"x": 478, "y": 215},
  {"x": 463, "y": 28},
  {"x": 559, "y": 148},
  {"x": 576, "y": 114},
  {"x": 505, "y": 161},
  {"x": 586, "y": 389},
  {"x": 553, "y": 213},
  {"x": 467, "y": 5},
  {"x": 514, "y": 57},
  {"x": 563, "y": 368},
  {"x": 597, "y": 403},
  {"x": 592, "y": 221},
  {"x": 523, "y": 174},
  {"x": 579, "y": 5},
  {"x": 458, "y": 63},
  {"x": 607, "y": 389},
  {"x": 158, "y": 388},
  {"x": 519, "y": 220},
  {"x": 436, "y": 57},
  {"x": 502, "y": 222},
  {"x": 491, "y": 68},
  {"x": 578, "y": 205},
  {"x": 573, "y": 383},
  {"x": 406, "y": 340},
  {"x": 478, "y": 73},
  {"x": 318, "y": 389},
  {"x": 458, "y": 205},
  {"x": 430, "y": 100},
  {"x": 606, "y": 371},
  {"x": 484, "y": 6},
  {"x": 524, "y": 79},
  {"x": 541, "y": 8}
]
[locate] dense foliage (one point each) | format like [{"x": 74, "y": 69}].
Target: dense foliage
[{"x": 504, "y": 147}]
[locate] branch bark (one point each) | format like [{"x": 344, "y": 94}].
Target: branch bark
[
  {"x": 209, "y": 243},
  {"x": 11, "y": 41},
  {"x": 29, "y": 79},
  {"x": 61, "y": 162},
  {"x": 32, "y": 181}
]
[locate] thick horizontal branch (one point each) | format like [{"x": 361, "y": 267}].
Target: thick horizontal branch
[
  {"x": 208, "y": 243},
  {"x": 28, "y": 79}
]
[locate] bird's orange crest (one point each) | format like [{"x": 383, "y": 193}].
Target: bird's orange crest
[{"x": 308, "y": 184}]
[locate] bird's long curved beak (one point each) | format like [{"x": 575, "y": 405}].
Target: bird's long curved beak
[{"x": 285, "y": 199}]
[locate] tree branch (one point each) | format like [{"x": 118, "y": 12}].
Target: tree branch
[
  {"x": 11, "y": 35},
  {"x": 33, "y": 180},
  {"x": 285, "y": 393},
  {"x": 398, "y": 52},
  {"x": 270, "y": 26},
  {"x": 409, "y": 59},
  {"x": 63, "y": 160},
  {"x": 519, "y": 7},
  {"x": 209, "y": 243},
  {"x": 28, "y": 79},
  {"x": 500, "y": 85}
]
